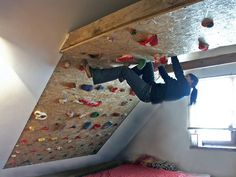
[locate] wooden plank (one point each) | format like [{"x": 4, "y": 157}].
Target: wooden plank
[
  {"x": 206, "y": 62},
  {"x": 142, "y": 10}
]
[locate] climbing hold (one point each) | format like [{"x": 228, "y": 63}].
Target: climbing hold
[
  {"x": 86, "y": 87},
  {"x": 94, "y": 114},
  {"x": 69, "y": 85},
  {"x": 62, "y": 100},
  {"x": 65, "y": 64},
  {"x": 72, "y": 114},
  {"x": 123, "y": 103},
  {"x": 122, "y": 90},
  {"x": 132, "y": 31},
  {"x": 96, "y": 126},
  {"x": 125, "y": 58},
  {"x": 207, "y": 22},
  {"x": 24, "y": 141},
  {"x": 13, "y": 155},
  {"x": 95, "y": 55},
  {"x": 90, "y": 102},
  {"x": 40, "y": 115},
  {"x": 31, "y": 128},
  {"x": 107, "y": 125},
  {"x": 131, "y": 92},
  {"x": 17, "y": 152},
  {"x": 53, "y": 138},
  {"x": 99, "y": 88},
  {"x": 150, "y": 41},
  {"x": 202, "y": 45},
  {"x": 58, "y": 148},
  {"x": 41, "y": 139},
  {"x": 141, "y": 63},
  {"x": 113, "y": 89},
  {"x": 58, "y": 126},
  {"x": 73, "y": 126},
  {"x": 69, "y": 141},
  {"x": 77, "y": 137},
  {"x": 115, "y": 114},
  {"x": 87, "y": 125},
  {"x": 49, "y": 149},
  {"x": 110, "y": 39},
  {"x": 45, "y": 128}
]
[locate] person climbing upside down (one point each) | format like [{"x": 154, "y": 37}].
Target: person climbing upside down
[{"x": 146, "y": 89}]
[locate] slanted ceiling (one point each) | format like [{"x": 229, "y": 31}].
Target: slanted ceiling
[{"x": 72, "y": 129}]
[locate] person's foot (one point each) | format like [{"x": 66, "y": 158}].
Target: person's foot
[
  {"x": 86, "y": 67},
  {"x": 121, "y": 79}
]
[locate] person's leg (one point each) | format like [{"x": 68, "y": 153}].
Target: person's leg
[
  {"x": 147, "y": 72},
  {"x": 139, "y": 86}
]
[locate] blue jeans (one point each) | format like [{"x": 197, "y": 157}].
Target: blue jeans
[{"x": 141, "y": 86}]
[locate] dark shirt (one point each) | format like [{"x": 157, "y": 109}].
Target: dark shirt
[{"x": 172, "y": 89}]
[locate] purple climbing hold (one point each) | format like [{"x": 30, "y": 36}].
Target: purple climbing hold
[{"x": 86, "y": 87}]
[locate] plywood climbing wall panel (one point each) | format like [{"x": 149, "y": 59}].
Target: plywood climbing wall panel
[
  {"x": 178, "y": 32},
  {"x": 72, "y": 118}
]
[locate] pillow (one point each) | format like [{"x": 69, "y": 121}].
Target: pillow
[{"x": 153, "y": 162}]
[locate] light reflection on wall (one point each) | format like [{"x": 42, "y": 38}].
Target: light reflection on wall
[{"x": 8, "y": 77}]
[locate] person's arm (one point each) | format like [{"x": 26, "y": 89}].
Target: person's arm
[
  {"x": 163, "y": 73},
  {"x": 177, "y": 68}
]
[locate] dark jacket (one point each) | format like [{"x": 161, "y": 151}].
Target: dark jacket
[{"x": 172, "y": 89}]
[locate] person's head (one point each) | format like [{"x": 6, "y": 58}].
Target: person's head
[{"x": 192, "y": 81}]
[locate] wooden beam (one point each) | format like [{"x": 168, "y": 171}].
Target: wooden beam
[
  {"x": 142, "y": 10},
  {"x": 206, "y": 62}
]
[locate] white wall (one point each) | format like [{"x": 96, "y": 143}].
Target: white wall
[
  {"x": 31, "y": 33},
  {"x": 165, "y": 136}
]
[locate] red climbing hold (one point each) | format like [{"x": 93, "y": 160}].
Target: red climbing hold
[
  {"x": 151, "y": 41},
  {"x": 96, "y": 126},
  {"x": 125, "y": 58},
  {"x": 90, "y": 102},
  {"x": 202, "y": 45}
]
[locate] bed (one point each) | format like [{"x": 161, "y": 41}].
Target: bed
[{"x": 138, "y": 170}]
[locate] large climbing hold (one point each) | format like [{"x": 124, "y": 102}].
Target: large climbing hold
[{"x": 202, "y": 44}]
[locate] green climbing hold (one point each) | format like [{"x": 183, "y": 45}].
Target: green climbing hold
[{"x": 94, "y": 114}]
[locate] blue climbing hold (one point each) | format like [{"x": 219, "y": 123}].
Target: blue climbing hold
[
  {"x": 87, "y": 125},
  {"x": 107, "y": 125},
  {"x": 86, "y": 87}
]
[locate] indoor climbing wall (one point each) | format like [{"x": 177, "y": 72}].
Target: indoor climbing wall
[{"x": 72, "y": 118}]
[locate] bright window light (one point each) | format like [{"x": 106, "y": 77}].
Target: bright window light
[
  {"x": 215, "y": 106},
  {"x": 213, "y": 118}
]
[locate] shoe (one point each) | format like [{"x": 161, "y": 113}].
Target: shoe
[
  {"x": 86, "y": 67},
  {"x": 121, "y": 79}
]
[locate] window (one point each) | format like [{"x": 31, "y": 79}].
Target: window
[{"x": 212, "y": 121}]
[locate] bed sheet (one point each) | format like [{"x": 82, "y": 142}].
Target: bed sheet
[{"x": 132, "y": 170}]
